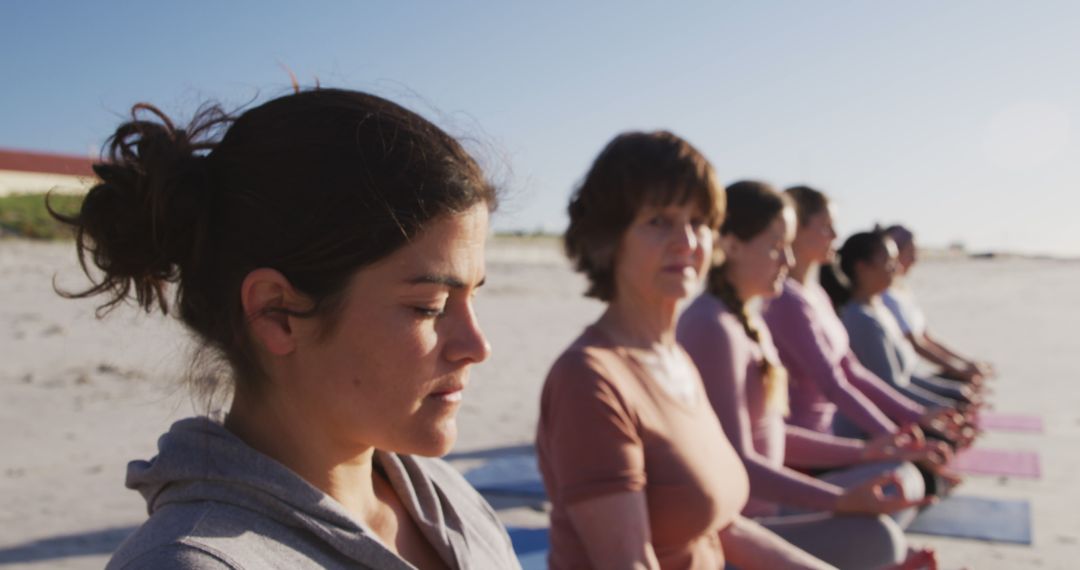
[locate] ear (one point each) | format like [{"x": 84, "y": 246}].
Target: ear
[{"x": 265, "y": 294}]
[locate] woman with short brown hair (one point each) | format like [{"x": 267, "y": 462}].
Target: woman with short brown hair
[{"x": 634, "y": 460}]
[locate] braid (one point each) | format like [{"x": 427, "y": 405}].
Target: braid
[{"x": 773, "y": 374}]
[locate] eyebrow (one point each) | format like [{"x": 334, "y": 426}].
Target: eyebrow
[{"x": 444, "y": 280}]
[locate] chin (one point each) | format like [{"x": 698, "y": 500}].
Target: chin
[
  {"x": 679, "y": 290},
  {"x": 680, "y": 294},
  {"x": 437, "y": 441}
]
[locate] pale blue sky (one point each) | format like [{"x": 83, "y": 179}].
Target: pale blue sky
[{"x": 959, "y": 118}]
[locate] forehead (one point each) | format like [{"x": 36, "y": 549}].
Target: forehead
[
  {"x": 780, "y": 226},
  {"x": 890, "y": 247},
  {"x": 451, "y": 247},
  {"x": 690, "y": 204},
  {"x": 790, "y": 222},
  {"x": 822, "y": 218},
  {"x": 699, "y": 195}
]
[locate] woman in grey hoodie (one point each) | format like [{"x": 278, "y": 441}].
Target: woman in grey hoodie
[{"x": 326, "y": 245}]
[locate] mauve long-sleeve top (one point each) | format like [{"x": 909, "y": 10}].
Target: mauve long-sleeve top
[
  {"x": 730, "y": 363},
  {"x": 824, "y": 374}
]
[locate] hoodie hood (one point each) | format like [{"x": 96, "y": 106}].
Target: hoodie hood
[{"x": 199, "y": 460}]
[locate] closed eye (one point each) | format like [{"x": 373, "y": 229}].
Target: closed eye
[{"x": 429, "y": 312}]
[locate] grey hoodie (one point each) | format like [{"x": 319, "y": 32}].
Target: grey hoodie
[{"x": 216, "y": 503}]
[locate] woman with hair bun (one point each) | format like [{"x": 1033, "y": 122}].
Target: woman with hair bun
[
  {"x": 830, "y": 390},
  {"x": 747, "y": 385},
  {"x": 909, "y": 316},
  {"x": 326, "y": 245},
  {"x": 634, "y": 461},
  {"x": 866, "y": 267}
]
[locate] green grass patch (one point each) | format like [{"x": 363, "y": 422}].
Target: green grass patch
[{"x": 25, "y": 215}]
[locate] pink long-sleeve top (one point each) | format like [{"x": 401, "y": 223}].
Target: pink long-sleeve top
[
  {"x": 824, "y": 375},
  {"x": 730, "y": 363}
]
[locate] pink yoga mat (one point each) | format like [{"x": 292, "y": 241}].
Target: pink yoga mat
[
  {"x": 998, "y": 462},
  {"x": 1009, "y": 422}
]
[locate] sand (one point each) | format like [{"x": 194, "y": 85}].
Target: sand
[{"x": 80, "y": 397}]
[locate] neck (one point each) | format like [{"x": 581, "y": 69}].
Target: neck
[
  {"x": 863, "y": 296},
  {"x": 640, "y": 324},
  {"x": 274, "y": 426},
  {"x": 803, "y": 270},
  {"x": 742, "y": 293}
]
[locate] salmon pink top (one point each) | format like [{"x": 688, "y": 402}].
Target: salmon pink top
[{"x": 606, "y": 427}]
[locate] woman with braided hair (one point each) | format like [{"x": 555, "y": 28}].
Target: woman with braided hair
[
  {"x": 747, "y": 386},
  {"x": 325, "y": 247}
]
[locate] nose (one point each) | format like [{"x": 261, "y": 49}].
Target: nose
[
  {"x": 685, "y": 238},
  {"x": 788, "y": 259},
  {"x": 468, "y": 345}
]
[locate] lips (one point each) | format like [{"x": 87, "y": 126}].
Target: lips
[
  {"x": 451, "y": 393},
  {"x": 677, "y": 268}
]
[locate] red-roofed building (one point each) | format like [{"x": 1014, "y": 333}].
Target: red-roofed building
[{"x": 24, "y": 171}]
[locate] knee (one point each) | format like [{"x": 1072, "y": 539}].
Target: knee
[
  {"x": 887, "y": 540},
  {"x": 911, "y": 480},
  {"x": 867, "y": 541},
  {"x": 913, "y": 486}
]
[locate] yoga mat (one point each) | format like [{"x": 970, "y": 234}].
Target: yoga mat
[
  {"x": 993, "y": 520},
  {"x": 1009, "y": 422},
  {"x": 531, "y": 547},
  {"x": 509, "y": 475},
  {"x": 998, "y": 462}
]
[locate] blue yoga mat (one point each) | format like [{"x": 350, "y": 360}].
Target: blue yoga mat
[
  {"x": 993, "y": 520},
  {"x": 531, "y": 546},
  {"x": 510, "y": 475}
]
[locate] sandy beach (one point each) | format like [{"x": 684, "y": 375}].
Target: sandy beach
[{"x": 80, "y": 397}]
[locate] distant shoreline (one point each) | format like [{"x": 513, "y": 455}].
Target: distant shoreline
[
  {"x": 541, "y": 240},
  {"x": 553, "y": 243}
]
